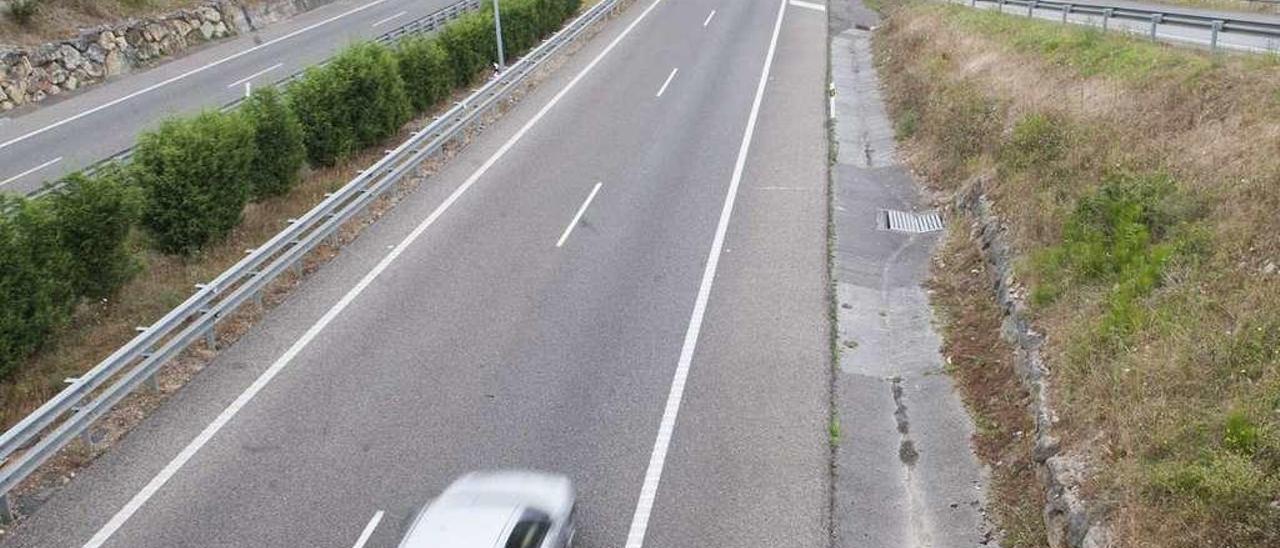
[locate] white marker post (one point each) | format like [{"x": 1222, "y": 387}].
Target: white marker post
[{"x": 497, "y": 25}]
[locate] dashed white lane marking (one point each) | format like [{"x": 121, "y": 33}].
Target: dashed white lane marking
[
  {"x": 663, "y": 89},
  {"x": 368, "y": 530},
  {"x": 709, "y": 17},
  {"x": 578, "y": 217},
  {"x": 808, "y": 5},
  {"x": 30, "y": 171},
  {"x": 381, "y": 22},
  {"x": 246, "y": 79},
  {"x": 152, "y": 487},
  {"x": 186, "y": 74},
  {"x": 657, "y": 460}
]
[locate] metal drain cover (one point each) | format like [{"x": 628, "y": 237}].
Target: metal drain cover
[{"x": 904, "y": 221}]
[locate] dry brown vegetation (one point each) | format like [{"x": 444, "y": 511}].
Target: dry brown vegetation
[
  {"x": 55, "y": 19},
  {"x": 1141, "y": 185},
  {"x": 982, "y": 364}
]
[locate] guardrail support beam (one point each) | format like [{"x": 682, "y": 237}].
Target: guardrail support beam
[
  {"x": 6, "y": 510},
  {"x": 1031, "y": 7},
  {"x": 1066, "y": 10},
  {"x": 1106, "y": 17},
  {"x": 1155, "y": 20},
  {"x": 1213, "y": 38}
]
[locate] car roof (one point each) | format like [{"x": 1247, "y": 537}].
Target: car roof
[{"x": 462, "y": 526}]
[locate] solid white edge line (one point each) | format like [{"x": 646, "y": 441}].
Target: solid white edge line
[
  {"x": 666, "y": 83},
  {"x": 577, "y": 217},
  {"x": 209, "y": 431},
  {"x": 368, "y": 530},
  {"x": 808, "y": 5},
  {"x": 246, "y": 79},
  {"x": 30, "y": 171},
  {"x": 197, "y": 70},
  {"x": 709, "y": 17},
  {"x": 657, "y": 460},
  {"x": 389, "y": 19}
]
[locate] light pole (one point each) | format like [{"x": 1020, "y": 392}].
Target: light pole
[{"x": 497, "y": 25}]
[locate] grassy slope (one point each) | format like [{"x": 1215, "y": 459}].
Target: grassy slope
[{"x": 1141, "y": 185}]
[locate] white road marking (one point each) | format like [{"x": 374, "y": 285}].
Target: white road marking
[
  {"x": 368, "y": 530},
  {"x": 657, "y": 460},
  {"x": 153, "y": 486},
  {"x": 663, "y": 89},
  {"x": 197, "y": 70},
  {"x": 578, "y": 216},
  {"x": 246, "y": 79},
  {"x": 389, "y": 19},
  {"x": 30, "y": 171},
  {"x": 709, "y": 17},
  {"x": 809, "y": 5}
]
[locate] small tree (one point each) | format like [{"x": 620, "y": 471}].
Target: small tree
[
  {"x": 354, "y": 102},
  {"x": 277, "y": 134},
  {"x": 424, "y": 67},
  {"x": 95, "y": 216},
  {"x": 23, "y": 11},
  {"x": 471, "y": 45},
  {"x": 35, "y": 293},
  {"x": 195, "y": 174}
]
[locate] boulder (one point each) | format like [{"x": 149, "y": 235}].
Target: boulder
[
  {"x": 113, "y": 64},
  {"x": 70, "y": 57},
  {"x": 209, "y": 13},
  {"x": 107, "y": 40},
  {"x": 72, "y": 83},
  {"x": 57, "y": 74},
  {"x": 7, "y": 105},
  {"x": 180, "y": 27}
]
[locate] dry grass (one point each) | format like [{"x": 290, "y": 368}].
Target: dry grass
[
  {"x": 58, "y": 19},
  {"x": 1140, "y": 183},
  {"x": 982, "y": 364}
]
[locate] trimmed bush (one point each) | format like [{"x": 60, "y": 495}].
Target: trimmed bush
[
  {"x": 195, "y": 173},
  {"x": 35, "y": 292},
  {"x": 424, "y": 67},
  {"x": 354, "y": 102},
  {"x": 470, "y": 42},
  {"x": 95, "y": 216},
  {"x": 277, "y": 136}
]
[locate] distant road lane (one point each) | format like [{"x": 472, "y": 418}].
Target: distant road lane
[{"x": 108, "y": 117}]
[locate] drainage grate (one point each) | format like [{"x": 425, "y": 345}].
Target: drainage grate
[{"x": 902, "y": 221}]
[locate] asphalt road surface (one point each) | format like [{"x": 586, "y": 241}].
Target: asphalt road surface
[
  {"x": 623, "y": 280},
  {"x": 41, "y": 142}
]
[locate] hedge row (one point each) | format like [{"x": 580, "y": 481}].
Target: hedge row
[{"x": 190, "y": 178}]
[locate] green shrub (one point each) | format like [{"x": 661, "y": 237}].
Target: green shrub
[
  {"x": 35, "y": 292},
  {"x": 1037, "y": 141},
  {"x": 353, "y": 102},
  {"x": 95, "y": 216},
  {"x": 471, "y": 45},
  {"x": 279, "y": 150},
  {"x": 424, "y": 67},
  {"x": 23, "y": 11},
  {"x": 195, "y": 174}
]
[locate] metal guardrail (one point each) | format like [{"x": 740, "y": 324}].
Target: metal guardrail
[
  {"x": 1215, "y": 24},
  {"x": 424, "y": 24},
  {"x": 70, "y": 413}
]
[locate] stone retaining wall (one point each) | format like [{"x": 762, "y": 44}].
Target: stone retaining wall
[
  {"x": 1069, "y": 522},
  {"x": 33, "y": 74}
]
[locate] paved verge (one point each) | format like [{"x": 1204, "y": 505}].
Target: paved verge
[{"x": 905, "y": 475}]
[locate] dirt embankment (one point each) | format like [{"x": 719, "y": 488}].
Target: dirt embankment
[{"x": 1140, "y": 186}]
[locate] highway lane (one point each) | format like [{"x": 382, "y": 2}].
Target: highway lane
[
  {"x": 42, "y": 142},
  {"x": 486, "y": 344}
]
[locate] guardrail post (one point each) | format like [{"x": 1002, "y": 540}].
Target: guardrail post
[
  {"x": 1001, "y": 6},
  {"x": 1213, "y": 39},
  {"x": 1106, "y": 17},
  {"x": 1156, "y": 18},
  {"x": 1031, "y": 7},
  {"x": 210, "y": 334},
  {"x": 1065, "y": 11},
  {"x": 6, "y": 510}
]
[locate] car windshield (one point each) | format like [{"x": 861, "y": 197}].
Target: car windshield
[{"x": 529, "y": 531}]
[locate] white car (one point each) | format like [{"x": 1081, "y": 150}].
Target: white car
[{"x": 508, "y": 509}]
